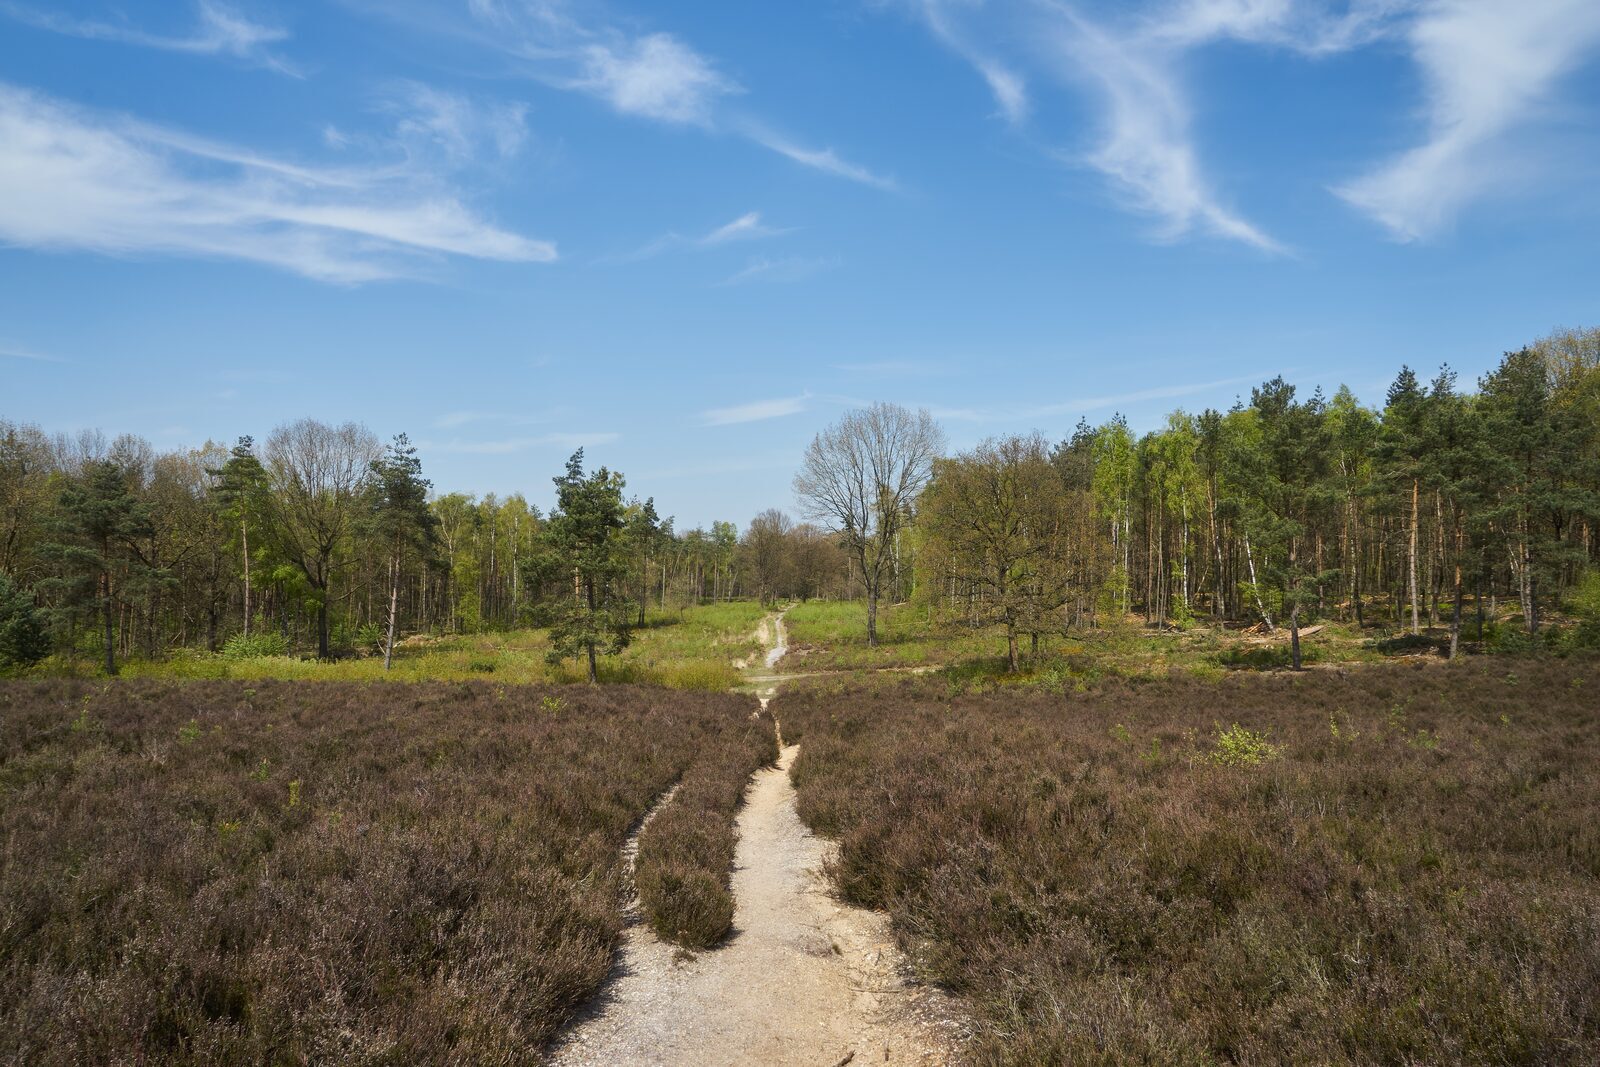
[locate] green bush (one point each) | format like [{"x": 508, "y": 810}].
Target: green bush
[
  {"x": 1239, "y": 747},
  {"x": 256, "y": 645},
  {"x": 1584, "y": 600},
  {"x": 1512, "y": 640},
  {"x": 1265, "y": 657},
  {"x": 369, "y": 638},
  {"x": 23, "y": 639}
]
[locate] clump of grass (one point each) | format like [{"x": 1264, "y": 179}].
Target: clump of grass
[
  {"x": 1412, "y": 888},
  {"x": 344, "y": 873}
]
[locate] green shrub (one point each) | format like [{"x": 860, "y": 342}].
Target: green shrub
[
  {"x": 1238, "y": 747},
  {"x": 1584, "y": 600},
  {"x": 23, "y": 640},
  {"x": 369, "y": 638},
  {"x": 1512, "y": 640},
  {"x": 1265, "y": 657},
  {"x": 253, "y": 646}
]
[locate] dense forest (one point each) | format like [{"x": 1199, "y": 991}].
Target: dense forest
[{"x": 1447, "y": 503}]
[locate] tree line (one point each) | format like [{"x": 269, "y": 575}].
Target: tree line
[
  {"x": 1284, "y": 509},
  {"x": 323, "y": 540},
  {"x": 1442, "y": 502}
]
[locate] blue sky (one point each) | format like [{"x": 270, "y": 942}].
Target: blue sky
[{"x": 688, "y": 235}]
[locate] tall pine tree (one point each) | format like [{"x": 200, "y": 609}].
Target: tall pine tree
[
  {"x": 98, "y": 526},
  {"x": 584, "y": 545},
  {"x": 401, "y": 521}
]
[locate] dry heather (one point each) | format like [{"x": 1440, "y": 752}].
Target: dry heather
[
  {"x": 685, "y": 859},
  {"x": 215, "y": 873},
  {"x": 1393, "y": 865}
]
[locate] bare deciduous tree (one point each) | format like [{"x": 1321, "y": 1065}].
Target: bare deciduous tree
[
  {"x": 318, "y": 474},
  {"x": 862, "y": 476}
]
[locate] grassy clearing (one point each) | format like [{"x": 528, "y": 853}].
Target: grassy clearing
[
  {"x": 830, "y": 636},
  {"x": 692, "y": 649},
  {"x": 1388, "y": 865},
  {"x": 221, "y": 872}
]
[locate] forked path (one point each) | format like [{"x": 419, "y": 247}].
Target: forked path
[{"x": 802, "y": 979}]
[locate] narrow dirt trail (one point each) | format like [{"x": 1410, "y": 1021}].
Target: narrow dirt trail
[{"x": 802, "y": 979}]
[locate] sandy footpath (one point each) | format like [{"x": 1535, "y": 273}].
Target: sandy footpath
[{"x": 802, "y": 979}]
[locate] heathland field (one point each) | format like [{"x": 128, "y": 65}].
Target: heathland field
[
  {"x": 1382, "y": 865},
  {"x": 219, "y": 872},
  {"x": 1124, "y": 854}
]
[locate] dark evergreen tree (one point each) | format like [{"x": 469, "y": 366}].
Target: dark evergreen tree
[
  {"x": 98, "y": 526},
  {"x": 24, "y": 640},
  {"x": 240, "y": 493},
  {"x": 1537, "y": 459},
  {"x": 1453, "y": 465},
  {"x": 1399, "y": 452},
  {"x": 1290, "y": 481},
  {"x": 401, "y": 521},
  {"x": 583, "y": 546}
]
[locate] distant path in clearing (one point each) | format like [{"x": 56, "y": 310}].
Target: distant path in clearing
[{"x": 802, "y": 979}]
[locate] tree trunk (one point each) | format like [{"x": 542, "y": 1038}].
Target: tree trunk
[
  {"x": 1411, "y": 557},
  {"x": 110, "y": 629},
  {"x": 872, "y": 618},
  {"x": 394, "y": 605},
  {"x": 1294, "y": 634},
  {"x": 1260, "y": 606},
  {"x": 244, "y": 540},
  {"x": 594, "y": 673},
  {"x": 322, "y": 624},
  {"x": 1011, "y": 649},
  {"x": 1455, "y": 618}
]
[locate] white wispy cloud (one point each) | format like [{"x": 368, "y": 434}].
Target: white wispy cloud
[
  {"x": 1489, "y": 68},
  {"x": 653, "y": 75},
  {"x": 1311, "y": 27},
  {"x": 825, "y": 160},
  {"x": 1146, "y": 146},
  {"x": 1128, "y": 60},
  {"x": 75, "y": 180},
  {"x": 219, "y": 30},
  {"x": 656, "y": 76},
  {"x": 1138, "y": 396},
  {"x": 747, "y": 227},
  {"x": 787, "y": 269},
  {"x": 13, "y": 352},
  {"x": 454, "y": 124},
  {"x": 1008, "y": 86},
  {"x": 756, "y": 411}
]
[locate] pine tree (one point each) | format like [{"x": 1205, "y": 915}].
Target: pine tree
[
  {"x": 240, "y": 494},
  {"x": 23, "y": 638},
  {"x": 400, "y": 520},
  {"x": 98, "y": 527},
  {"x": 583, "y": 545},
  {"x": 1399, "y": 453},
  {"x": 1292, "y": 489},
  {"x": 1453, "y": 463}
]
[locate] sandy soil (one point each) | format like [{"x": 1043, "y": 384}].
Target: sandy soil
[{"x": 802, "y": 979}]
